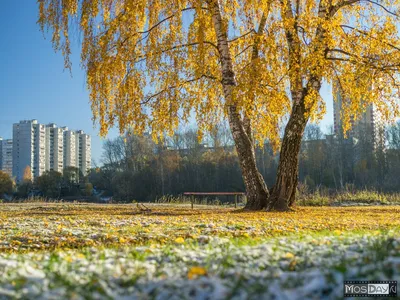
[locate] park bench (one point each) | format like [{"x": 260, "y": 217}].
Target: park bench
[{"x": 192, "y": 194}]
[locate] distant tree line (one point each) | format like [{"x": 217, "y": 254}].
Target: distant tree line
[
  {"x": 136, "y": 168},
  {"x": 71, "y": 183}
]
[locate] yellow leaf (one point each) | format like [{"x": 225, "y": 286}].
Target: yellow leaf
[
  {"x": 194, "y": 272},
  {"x": 179, "y": 240},
  {"x": 289, "y": 255}
]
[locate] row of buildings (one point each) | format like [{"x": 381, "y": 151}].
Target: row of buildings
[
  {"x": 48, "y": 147},
  {"x": 44, "y": 148}
]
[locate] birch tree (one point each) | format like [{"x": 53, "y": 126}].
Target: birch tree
[{"x": 153, "y": 64}]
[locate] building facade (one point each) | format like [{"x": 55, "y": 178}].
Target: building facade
[
  {"x": 69, "y": 148},
  {"x": 54, "y": 148},
  {"x": 83, "y": 152},
  {"x": 370, "y": 122},
  {"x": 29, "y": 148},
  {"x": 48, "y": 148},
  {"x": 6, "y": 147}
]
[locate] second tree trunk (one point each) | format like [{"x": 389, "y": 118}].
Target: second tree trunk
[{"x": 284, "y": 191}]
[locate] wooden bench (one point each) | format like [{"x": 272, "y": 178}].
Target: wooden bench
[{"x": 236, "y": 194}]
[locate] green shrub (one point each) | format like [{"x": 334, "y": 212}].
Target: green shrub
[
  {"x": 364, "y": 196},
  {"x": 313, "y": 199}
]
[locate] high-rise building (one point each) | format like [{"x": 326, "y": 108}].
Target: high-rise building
[
  {"x": 370, "y": 121},
  {"x": 29, "y": 148},
  {"x": 54, "y": 148},
  {"x": 6, "y": 156},
  {"x": 44, "y": 148},
  {"x": 69, "y": 148},
  {"x": 83, "y": 152}
]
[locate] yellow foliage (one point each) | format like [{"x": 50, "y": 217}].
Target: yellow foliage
[
  {"x": 77, "y": 226},
  {"x": 150, "y": 64},
  {"x": 27, "y": 176},
  {"x": 180, "y": 240},
  {"x": 289, "y": 255},
  {"x": 195, "y": 272}
]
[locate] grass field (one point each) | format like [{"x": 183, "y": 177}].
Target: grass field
[{"x": 57, "y": 251}]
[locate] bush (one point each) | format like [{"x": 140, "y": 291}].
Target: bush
[
  {"x": 6, "y": 183},
  {"x": 313, "y": 199},
  {"x": 361, "y": 197}
]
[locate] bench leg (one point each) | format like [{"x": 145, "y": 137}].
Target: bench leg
[{"x": 235, "y": 201}]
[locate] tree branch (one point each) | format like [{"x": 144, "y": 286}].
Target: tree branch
[
  {"x": 363, "y": 32},
  {"x": 148, "y": 31},
  {"x": 244, "y": 50},
  {"x": 242, "y": 36},
  {"x": 344, "y": 3},
  {"x": 150, "y": 97},
  {"x": 142, "y": 58},
  {"x": 166, "y": 19},
  {"x": 383, "y": 7}
]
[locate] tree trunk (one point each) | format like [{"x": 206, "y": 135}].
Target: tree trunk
[
  {"x": 284, "y": 191},
  {"x": 256, "y": 189}
]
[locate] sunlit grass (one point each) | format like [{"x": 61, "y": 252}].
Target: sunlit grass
[
  {"x": 111, "y": 251},
  {"x": 40, "y": 226}
]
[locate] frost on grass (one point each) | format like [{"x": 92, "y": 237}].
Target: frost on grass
[
  {"x": 115, "y": 252},
  {"x": 310, "y": 267}
]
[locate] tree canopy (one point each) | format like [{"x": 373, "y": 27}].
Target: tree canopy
[
  {"x": 27, "y": 176},
  {"x": 6, "y": 183},
  {"x": 151, "y": 63},
  {"x": 50, "y": 183}
]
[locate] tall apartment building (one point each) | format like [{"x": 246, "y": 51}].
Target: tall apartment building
[
  {"x": 48, "y": 147},
  {"x": 6, "y": 156},
  {"x": 54, "y": 148},
  {"x": 83, "y": 152},
  {"x": 369, "y": 121},
  {"x": 29, "y": 148},
  {"x": 77, "y": 150},
  {"x": 69, "y": 147}
]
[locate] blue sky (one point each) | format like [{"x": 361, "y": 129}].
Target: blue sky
[{"x": 34, "y": 84}]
